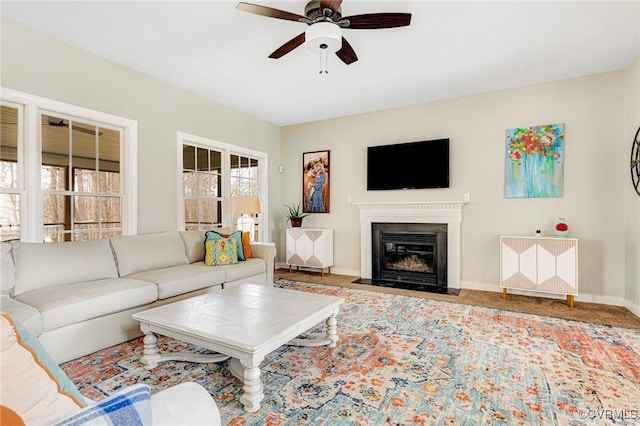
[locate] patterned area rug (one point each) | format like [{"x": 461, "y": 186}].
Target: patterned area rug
[{"x": 405, "y": 361}]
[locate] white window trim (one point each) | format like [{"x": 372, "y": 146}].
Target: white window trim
[
  {"x": 228, "y": 149},
  {"x": 31, "y": 216},
  {"x": 20, "y": 158}
]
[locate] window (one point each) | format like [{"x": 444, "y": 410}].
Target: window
[
  {"x": 11, "y": 183},
  {"x": 202, "y": 183},
  {"x": 74, "y": 167},
  {"x": 80, "y": 180},
  {"x": 245, "y": 182},
  {"x": 212, "y": 174},
  {"x": 244, "y": 175}
]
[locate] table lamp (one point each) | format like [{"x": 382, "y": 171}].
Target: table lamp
[{"x": 244, "y": 207}]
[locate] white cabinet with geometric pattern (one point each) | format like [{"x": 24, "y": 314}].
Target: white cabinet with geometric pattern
[
  {"x": 546, "y": 264},
  {"x": 310, "y": 247}
]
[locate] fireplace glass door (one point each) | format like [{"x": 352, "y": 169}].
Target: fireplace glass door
[{"x": 410, "y": 253}]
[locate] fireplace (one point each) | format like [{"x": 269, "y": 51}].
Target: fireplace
[
  {"x": 409, "y": 255},
  {"x": 447, "y": 213}
]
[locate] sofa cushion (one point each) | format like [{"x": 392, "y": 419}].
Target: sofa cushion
[
  {"x": 138, "y": 253},
  {"x": 193, "y": 245},
  {"x": 182, "y": 279},
  {"x": 40, "y": 265},
  {"x": 72, "y": 303},
  {"x": 245, "y": 269},
  {"x": 7, "y": 271},
  {"x": 27, "y": 315},
  {"x": 33, "y": 385}
]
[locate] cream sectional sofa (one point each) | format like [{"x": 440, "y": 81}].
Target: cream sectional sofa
[{"x": 78, "y": 297}]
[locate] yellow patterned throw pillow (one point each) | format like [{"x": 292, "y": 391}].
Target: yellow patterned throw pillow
[
  {"x": 221, "y": 252},
  {"x": 237, "y": 235}
]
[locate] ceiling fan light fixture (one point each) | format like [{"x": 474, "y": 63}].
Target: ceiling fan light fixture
[{"x": 323, "y": 37}]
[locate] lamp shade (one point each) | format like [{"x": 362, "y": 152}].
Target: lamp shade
[
  {"x": 249, "y": 205},
  {"x": 323, "y": 37}
]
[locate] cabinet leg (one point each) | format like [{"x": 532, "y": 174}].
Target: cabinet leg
[
  {"x": 504, "y": 293},
  {"x": 322, "y": 272},
  {"x": 570, "y": 300},
  {"x": 289, "y": 268}
]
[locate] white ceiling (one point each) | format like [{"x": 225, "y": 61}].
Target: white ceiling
[{"x": 451, "y": 49}]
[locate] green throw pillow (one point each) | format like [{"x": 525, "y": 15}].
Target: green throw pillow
[{"x": 222, "y": 251}]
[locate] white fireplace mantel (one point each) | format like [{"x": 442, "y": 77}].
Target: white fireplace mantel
[{"x": 448, "y": 212}]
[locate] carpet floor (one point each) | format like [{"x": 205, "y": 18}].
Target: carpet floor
[
  {"x": 618, "y": 316},
  {"x": 405, "y": 360}
]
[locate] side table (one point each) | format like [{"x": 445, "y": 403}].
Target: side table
[{"x": 310, "y": 247}]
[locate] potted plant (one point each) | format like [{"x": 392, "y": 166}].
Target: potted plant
[{"x": 294, "y": 216}]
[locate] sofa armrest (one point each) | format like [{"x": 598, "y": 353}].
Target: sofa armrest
[
  {"x": 266, "y": 251},
  {"x": 29, "y": 316}
]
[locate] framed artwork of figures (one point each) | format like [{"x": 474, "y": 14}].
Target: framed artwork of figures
[{"x": 315, "y": 182}]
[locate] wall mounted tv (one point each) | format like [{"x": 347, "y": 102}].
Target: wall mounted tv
[{"x": 412, "y": 165}]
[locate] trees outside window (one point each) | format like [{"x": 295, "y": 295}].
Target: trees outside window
[
  {"x": 70, "y": 166},
  {"x": 80, "y": 180},
  {"x": 212, "y": 174},
  {"x": 11, "y": 183}
]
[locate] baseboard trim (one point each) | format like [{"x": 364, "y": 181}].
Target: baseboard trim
[
  {"x": 583, "y": 297},
  {"x": 632, "y": 307},
  {"x": 473, "y": 285}
]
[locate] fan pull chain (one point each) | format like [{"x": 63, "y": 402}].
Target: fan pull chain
[{"x": 325, "y": 71}]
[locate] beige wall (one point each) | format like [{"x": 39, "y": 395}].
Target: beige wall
[
  {"x": 632, "y": 199},
  {"x": 42, "y": 66},
  {"x": 601, "y": 114},
  {"x": 592, "y": 109}
]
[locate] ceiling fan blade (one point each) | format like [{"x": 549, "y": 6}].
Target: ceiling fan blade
[
  {"x": 333, "y": 5},
  {"x": 270, "y": 12},
  {"x": 77, "y": 129},
  {"x": 372, "y": 21},
  {"x": 287, "y": 47},
  {"x": 346, "y": 53}
]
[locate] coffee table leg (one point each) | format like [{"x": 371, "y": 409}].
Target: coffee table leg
[
  {"x": 331, "y": 340},
  {"x": 250, "y": 377},
  {"x": 151, "y": 354},
  {"x": 332, "y": 331},
  {"x": 252, "y": 389}
]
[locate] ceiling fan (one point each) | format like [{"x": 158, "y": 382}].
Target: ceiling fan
[
  {"x": 325, "y": 21},
  {"x": 56, "y": 122},
  {"x": 59, "y": 122}
]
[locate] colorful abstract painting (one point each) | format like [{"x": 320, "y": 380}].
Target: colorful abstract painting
[{"x": 535, "y": 161}]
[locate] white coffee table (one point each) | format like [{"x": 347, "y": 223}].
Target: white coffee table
[{"x": 244, "y": 324}]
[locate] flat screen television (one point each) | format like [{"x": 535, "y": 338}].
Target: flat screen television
[{"x": 412, "y": 165}]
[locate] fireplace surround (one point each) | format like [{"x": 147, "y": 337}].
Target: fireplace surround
[{"x": 436, "y": 212}]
